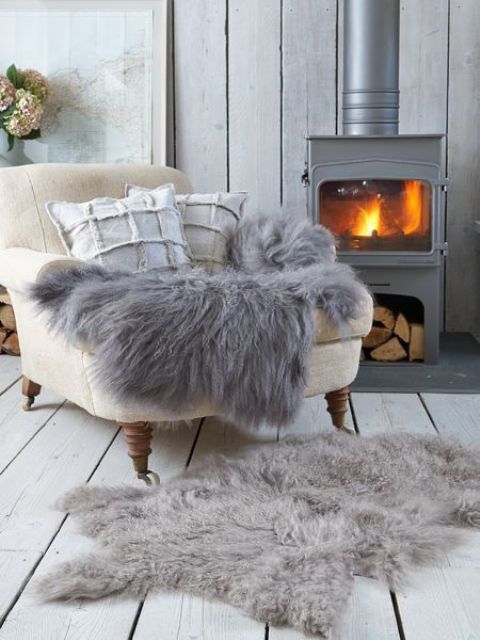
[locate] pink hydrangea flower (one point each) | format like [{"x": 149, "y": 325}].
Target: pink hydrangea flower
[
  {"x": 27, "y": 114},
  {"x": 7, "y": 93},
  {"x": 36, "y": 83}
]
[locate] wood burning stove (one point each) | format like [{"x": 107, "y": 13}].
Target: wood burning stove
[
  {"x": 384, "y": 198},
  {"x": 382, "y": 194}
]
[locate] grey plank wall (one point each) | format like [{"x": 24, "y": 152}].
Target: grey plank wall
[
  {"x": 254, "y": 99},
  {"x": 309, "y": 85},
  {"x": 200, "y": 81},
  {"x": 463, "y": 275},
  {"x": 251, "y": 77}
]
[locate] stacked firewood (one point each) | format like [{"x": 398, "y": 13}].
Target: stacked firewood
[
  {"x": 393, "y": 338},
  {"x": 8, "y": 326}
]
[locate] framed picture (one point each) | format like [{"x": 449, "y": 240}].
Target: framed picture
[{"x": 105, "y": 61}]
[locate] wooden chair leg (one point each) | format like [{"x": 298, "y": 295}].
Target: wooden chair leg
[
  {"x": 139, "y": 436},
  {"x": 337, "y": 405},
  {"x": 30, "y": 390}
]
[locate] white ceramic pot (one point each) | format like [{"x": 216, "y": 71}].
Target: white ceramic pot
[{"x": 14, "y": 157}]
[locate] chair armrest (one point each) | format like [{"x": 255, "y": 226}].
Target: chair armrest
[
  {"x": 21, "y": 267},
  {"x": 326, "y": 331}
]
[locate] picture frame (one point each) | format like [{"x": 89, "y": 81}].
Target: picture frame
[{"x": 106, "y": 63}]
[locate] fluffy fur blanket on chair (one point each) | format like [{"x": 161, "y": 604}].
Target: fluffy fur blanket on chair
[{"x": 239, "y": 339}]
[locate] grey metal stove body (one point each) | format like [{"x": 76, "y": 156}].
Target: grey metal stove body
[{"x": 396, "y": 157}]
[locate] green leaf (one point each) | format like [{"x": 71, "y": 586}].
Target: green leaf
[
  {"x": 12, "y": 73},
  {"x": 5, "y": 114},
  {"x": 15, "y": 77},
  {"x": 11, "y": 141},
  {"x": 33, "y": 135},
  {"x": 8, "y": 111}
]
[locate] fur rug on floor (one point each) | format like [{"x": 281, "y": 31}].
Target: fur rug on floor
[
  {"x": 239, "y": 339},
  {"x": 280, "y": 532}
]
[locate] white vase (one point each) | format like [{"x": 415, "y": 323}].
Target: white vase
[{"x": 14, "y": 157}]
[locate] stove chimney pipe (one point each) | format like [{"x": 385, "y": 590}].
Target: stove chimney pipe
[{"x": 370, "y": 67}]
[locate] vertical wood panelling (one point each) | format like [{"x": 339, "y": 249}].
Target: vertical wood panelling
[
  {"x": 279, "y": 60},
  {"x": 200, "y": 92},
  {"x": 463, "y": 263},
  {"x": 170, "y": 133},
  {"x": 339, "y": 125},
  {"x": 254, "y": 101},
  {"x": 309, "y": 86},
  {"x": 423, "y": 66}
]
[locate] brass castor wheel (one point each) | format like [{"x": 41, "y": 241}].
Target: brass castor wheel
[
  {"x": 27, "y": 402},
  {"x": 349, "y": 430},
  {"x": 150, "y": 478}
]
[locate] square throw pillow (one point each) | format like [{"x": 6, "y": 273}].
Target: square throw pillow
[
  {"x": 141, "y": 232},
  {"x": 209, "y": 219}
]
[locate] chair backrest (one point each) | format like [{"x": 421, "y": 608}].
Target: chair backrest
[{"x": 24, "y": 191}]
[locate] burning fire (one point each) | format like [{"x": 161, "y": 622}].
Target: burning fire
[
  {"x": 371, "y": 219},
  {"x": 413, "y": 206}
]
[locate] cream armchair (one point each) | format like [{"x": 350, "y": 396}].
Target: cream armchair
[{"x": 30, "y": 247}]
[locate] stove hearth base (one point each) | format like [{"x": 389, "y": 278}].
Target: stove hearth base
[{"x": 457, "y": 371}]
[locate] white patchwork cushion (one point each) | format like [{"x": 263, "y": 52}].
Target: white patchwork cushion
[
  {"x": 141, "y": 232},
  {"x": 209, "y": 219}
]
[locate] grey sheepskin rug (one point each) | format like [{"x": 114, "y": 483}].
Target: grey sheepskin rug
[
  {"x": 281, "y": 532},
  {"x": 266, "y": 243},
  {"x": 239, "y": 339}
]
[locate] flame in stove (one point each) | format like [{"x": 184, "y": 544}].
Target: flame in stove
[
  {"x": 413, "y": 206},
  {"x": 374, "y": 216},
  {"x": 369, "y": 219}
]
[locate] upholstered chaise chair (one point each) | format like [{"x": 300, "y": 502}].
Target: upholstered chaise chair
[{"x": 30, "y": 246}]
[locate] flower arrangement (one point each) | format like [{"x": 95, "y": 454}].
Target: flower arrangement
[{"x": 22, "y": 98}]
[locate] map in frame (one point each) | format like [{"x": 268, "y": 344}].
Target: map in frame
[{"x": 99, "y": 67}]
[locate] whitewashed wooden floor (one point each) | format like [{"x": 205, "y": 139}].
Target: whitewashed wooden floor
[{"x": 57, "y": 446}]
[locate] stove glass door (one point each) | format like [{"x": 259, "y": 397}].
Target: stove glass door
[{"x": 378, "y": 215}]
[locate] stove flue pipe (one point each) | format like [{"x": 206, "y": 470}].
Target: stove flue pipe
[{"x": 370, "y": 67}]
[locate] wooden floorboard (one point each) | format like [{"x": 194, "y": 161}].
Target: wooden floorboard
[
  {"x": 18, "y": 427},
  {"x": 10, "y": 371},
  {"x": 443, "y": 602},
  {"x": 390, "y": 413},
  {"x": 369, "y": 612},
  {"x": 369, "y": 615},
  {"x": 113, "y": 617},
  {"x": 313, "y": 418},
  {"x": 55, "y": 447},
  {"x": 185, "y": 617},
  {"x": 63, "y": 454},
  {"x": 455, "y": 415}
]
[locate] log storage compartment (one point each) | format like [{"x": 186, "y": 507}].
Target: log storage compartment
[
  {"x": 8, "y": 326},
  {"x": 397, "y": 334}
]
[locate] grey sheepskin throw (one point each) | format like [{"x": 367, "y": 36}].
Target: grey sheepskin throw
[
  {"x": 266, "y": 243},
  {"x": 237, "y": 339},
  {"x": 281, "y": 532}
]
